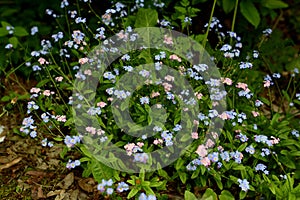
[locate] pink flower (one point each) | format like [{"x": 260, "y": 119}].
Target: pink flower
[
  {"x": 47, "y": 93},
  {"x": 59, "y": 78},
  {"x": 199, "y": 95},
  {"x": 140, "y": 144},
  {"x": 169, "y": 78},
  {"x": 185, "y": 109},
  {"x": 201, "y": 151},
  {"x": 195, "y": 135},
  {"x": 121, "y": 35},
  {"x": 196, "y": 122},
  {"x": 227, "y": 81},
  {"x": 83, "y": 60},
  {"x": 267, "y": 83},
  {"x": 275, "y": 140},
  {"x": 209, "y": 143},
  {"x": 181, "y": 69},
  {"x": 87, "y": 72},
  {"x": 205, "y": 161},
  {"x": 154, "y": 94},
  {"x": 35, "y": 90},
  {"x": 255, "y": 114},
  {"x": 244, "y": 86},
  {"x": 224, "y": 116},
  {"x": 91, "y": 130},
  {"x": 100, "y": 132},
  {"x": 101, "y": 104},
  {"x": 110, "y": 99},
  {"x": 167, "y": 86},
  {"x": 168, "y": 40},
  {"x": 42, "y": 61},
  {"x": 158, "y": 106},
  {"x": 157, "y": 141},
  {"x": 175, "y": 57},
  {"x": 61, "y": 118}
]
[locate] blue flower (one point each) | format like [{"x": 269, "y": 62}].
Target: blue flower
[
  {"x": 8, "y": 46},
  {"x": 36, "y": 68},
  {"x": 244, "y": 184},
  {"x": 262, "y": 167},
  {"x": 33, "y": 134},
  {"x": 265, "y": 152},
  {"x": 177, "y": 127},
  {"x": 214, "y": 157},
  {"x": 188, "y": 20},
  {"x": 226, "y": 47},
  {"x": 122, "y": 186},
  {"x": 72, "y": 164},
  {"x": 144, "y": 100},
  {"x": 225, "y": 156},
  {"x": 128, "y": 68},
  {"x": 267, "y": 32},
  {"x": 109, "y": 191},
  {"x": 295, "y": 133},
  {"x": 250, "y": 149},
  {"x": 143, "y": 196},
  {"x": 258, "y": 103},
  {"x": 245, "y": 65},
  {"x": 44, "y": 142},
  {"x": 242, "y": 137},
  {"x": 141, "y": 157}
]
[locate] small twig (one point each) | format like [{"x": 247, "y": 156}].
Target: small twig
[{"x": 8, "y": 165}]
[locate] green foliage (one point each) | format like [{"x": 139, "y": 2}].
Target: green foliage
[
  {"x": 146, "y": 18},
  {"x": 250, "y": 12}
]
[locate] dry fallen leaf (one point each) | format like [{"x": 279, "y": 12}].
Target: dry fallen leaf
[
  {"x": 8, "y": 165},
  {"x": 40, "y": 194},
  {"x": 2, "y": 138},
  {"x": 74, "y": 194},
  {"x": 61, "y": 196},
  {"x": 67, "y": 181},
  {"x": 56, "y": 192},
  {"x": 87, "y": 184}
]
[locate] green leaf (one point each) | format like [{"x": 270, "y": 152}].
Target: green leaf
[
  {"x": 179, "y": 164},
  {"x": 9, "y": 12},
  {"x": 228, "y": 5},
  {"x": 146, "y": 18},
  {"x": 287, "y": 161},
  {"x": 14, "y": 41},
  {"x": 189, "y": 196},
  {"x": 264, "y": 100},
  {"x": 20, "y": 31},
  {"x": 242, "y": 147},
  {"x": 180, "y": 9},
  {"x": 209, "y": 195},
  {"x": 42, "y": 83},
  {"x": 274, "y": 4},
  {"x": 5, "y": 98},
  {"x": 182, "y": 176},
  {"x": 3, "y": 32},
  {"x": 132, "y": 193},
  {"x": 250, "y": 12},
  {"x": 226, "y": 195},
  {"x": 242, "y": 194}
]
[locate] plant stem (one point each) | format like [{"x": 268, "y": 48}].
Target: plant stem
[
  {"x": 234, "y": 15},
  {"x": 208, "y": 27},
  {"x": 234, "y": 18}
]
